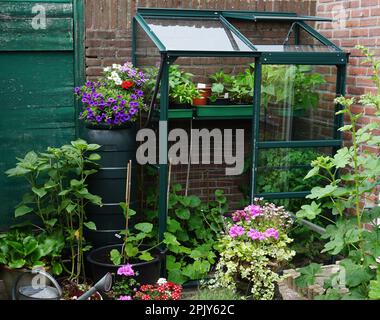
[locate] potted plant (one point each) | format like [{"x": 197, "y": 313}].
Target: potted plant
[
  {"x": 253, "y": 250},
  {"x": 143, "y": 258},
  {"x": 241, "y": 89},
  {"x": 58, "y": 196},
  {"x": 22, "y": 250},
  {"x": 111, "y": 106},
  {"x": 221, "y": 82},
  {"x": 182, "y": 95}
]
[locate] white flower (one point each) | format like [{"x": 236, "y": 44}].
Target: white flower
[
  {"x": 106, "y": 69},
  {"x": 161, "y": 281},
  {"x": 116, "y": 66},
  {"x": 118, "y": 81}
]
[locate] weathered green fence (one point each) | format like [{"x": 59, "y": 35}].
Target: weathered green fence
[{"x": 41, "y": 60}]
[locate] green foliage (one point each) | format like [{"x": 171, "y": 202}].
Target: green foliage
[
  {"x": 215, "y": 294},
  {"x": 360, "y": 171},
  {"x": 25, "y": 249},
  {"x": 221, "y": 84},
  {"x": 307, "y": 275},
  {"x": 254, "y": 261},
  {"x": 184, "y": 93},
  {"x": 58, "y": 193}
]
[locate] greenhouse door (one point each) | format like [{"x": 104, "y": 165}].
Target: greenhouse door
[{"x": 41, "y": 60}]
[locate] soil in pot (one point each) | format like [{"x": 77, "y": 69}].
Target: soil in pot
[
  {"x": 100, "y": 264},
  {"x": 72, "y": 291}
]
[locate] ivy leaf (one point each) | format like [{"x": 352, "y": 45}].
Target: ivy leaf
[
  {"x": 307, "y": 275},
  {"x": 22, "y": 210},
  {"x": 144, "y": 227},
  {"x": 115, "y": 257},
  {"x": 146, "y": 256},
  {"x": 90, "y": 225},
  {"x": 309, "y": 211},
  {"x": 183, "y": 213}
]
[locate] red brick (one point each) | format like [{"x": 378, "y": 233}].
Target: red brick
[
  {"x": 374, "y": 32},
  {"x": 368, "y": 3},
  {"x": 359, "y": 32},
  {"x": 359, "y": 13}
]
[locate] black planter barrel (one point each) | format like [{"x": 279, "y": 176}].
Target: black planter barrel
[{"x": 118, "y": 146}]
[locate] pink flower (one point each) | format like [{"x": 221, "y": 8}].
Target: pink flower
[
  {"x": 240, "y": 215},
  {"x": 125, "y": 298},
  {"x": 236, "y": 231},
  {"x": 272, "y": 233},
  {"x": 256, "y": 235},
  {"x": 254, "y": 210},
  {"x": 126, "y": 270}
]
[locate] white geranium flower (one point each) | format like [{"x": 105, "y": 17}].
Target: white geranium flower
[{"x": 161, "y": 281}]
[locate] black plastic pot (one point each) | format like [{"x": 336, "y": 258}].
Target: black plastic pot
[
  {"x": 118, "y": 146},
  {"x": 100, "y": 264}
]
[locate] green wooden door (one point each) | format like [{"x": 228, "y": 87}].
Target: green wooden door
[{"x": 41, "y": 60}]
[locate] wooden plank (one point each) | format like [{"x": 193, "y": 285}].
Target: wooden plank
[
  {"x": 19, "y": 34},
  {"x": 52, "y": 9}
]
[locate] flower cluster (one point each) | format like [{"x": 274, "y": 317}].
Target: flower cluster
[
  {"x": 162, "y": 290},
  {"x": 253, "y": 250},
  {"x": 126, "y": 270},
  {"x": 115, "y": 99},
  {"x": 125, "y": 285}
]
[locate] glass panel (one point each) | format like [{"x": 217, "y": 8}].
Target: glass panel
[
  {"x": 196, "y": 35},
  {"x": 283, "y": 169},
  {"x": 297, "y": 103},
  {"x": 272, "y": 36}
]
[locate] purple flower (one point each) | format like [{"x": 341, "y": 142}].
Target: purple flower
[
  {"x": 114, "y": 108},
  {"x": 256, "y": 235},
  {"x": 133, "y": 96},
  {"x": 133, "y": 111},
  {"x": 272, "y": 233},
  {"x": 126, "y": 270},
  {"x": 254, "y": 210},
  {"x": 98, "y": 118},
  {"x": 133, "y": 104},
  {"x": 236, "y": 231},
  {"x": 139, "y": 93},
  {"x": 125, "y": 298},
  {"x": 77, "y": 90}
]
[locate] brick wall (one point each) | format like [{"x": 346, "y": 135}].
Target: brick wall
[
  {"x": 358, "y": 23},
  {"x": 108, "y": 40}
]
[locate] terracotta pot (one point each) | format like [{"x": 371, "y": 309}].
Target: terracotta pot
[
  {"x": 206, "y": 92},
  {"x": 200, "y": 101}
]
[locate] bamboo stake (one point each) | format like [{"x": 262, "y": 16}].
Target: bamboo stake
[
  {"x": 127, "y": 200},
  {"x": 169, "y": 181}
]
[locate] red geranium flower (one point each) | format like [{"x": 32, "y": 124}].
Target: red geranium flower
[{"x": 127, "y": 84}]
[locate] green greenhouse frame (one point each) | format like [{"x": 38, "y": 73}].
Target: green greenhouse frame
[{"x": 330, "y": 56}]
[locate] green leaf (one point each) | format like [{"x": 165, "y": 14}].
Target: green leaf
[
  {"x": 307, "y": 275},
  {"x": 170, "y": 239},
  {"x": 57, "y": 268},
  {"x": 342, "y": 158},
  {"x": 130, "y": 250},
  {"x": 94, "y": 157},
  {"x": 16, "y": 264},
  {"x": 74, "y": 183},
  {"x": 173, "y": 225},
  {"x": 176, "y": 276},
  {"x": 40, "y": 192},
  {"x": 30, "y": 244},
  {"x": 176, "y": 187},
  {"x": 347, "y": 127},
  {"x": 22, "y": 210},
  {"x": 183, "y": 213},
  {"x": 374, "y": 288},
  {"x": 90, "y": 225},
  {"x": 309, "y": 211},
  {"x": 144, "y": 227},
  {"x": 146, "y": 256},
  {"x": 115, "y": 257},
  {"x": 313, "y": 172},
  {"x": 124, "y": 206},
  {"x": 319, "y": 192},
  {"x": 92, "y": 147},
  {"x": 194, "y": 201},
  {"x": 51, "y": 222},
  {"x": 355, "y": 274}
]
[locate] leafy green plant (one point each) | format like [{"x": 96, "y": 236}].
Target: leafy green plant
[
  {"x": 221, "y": 82},
  {"x": 184, "y": 93},
  {"x": 307, "y": 275},
  {"x": 242, "y": 86},
  {"x": 343, "y": 194},
  {"x": 25, "y": 249},
  {"x": 58, "y": 193},
  {"x": 215, "y": 294},
  {"x": 253, "y": 250},
  {"x": 131, "y": 249}
]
